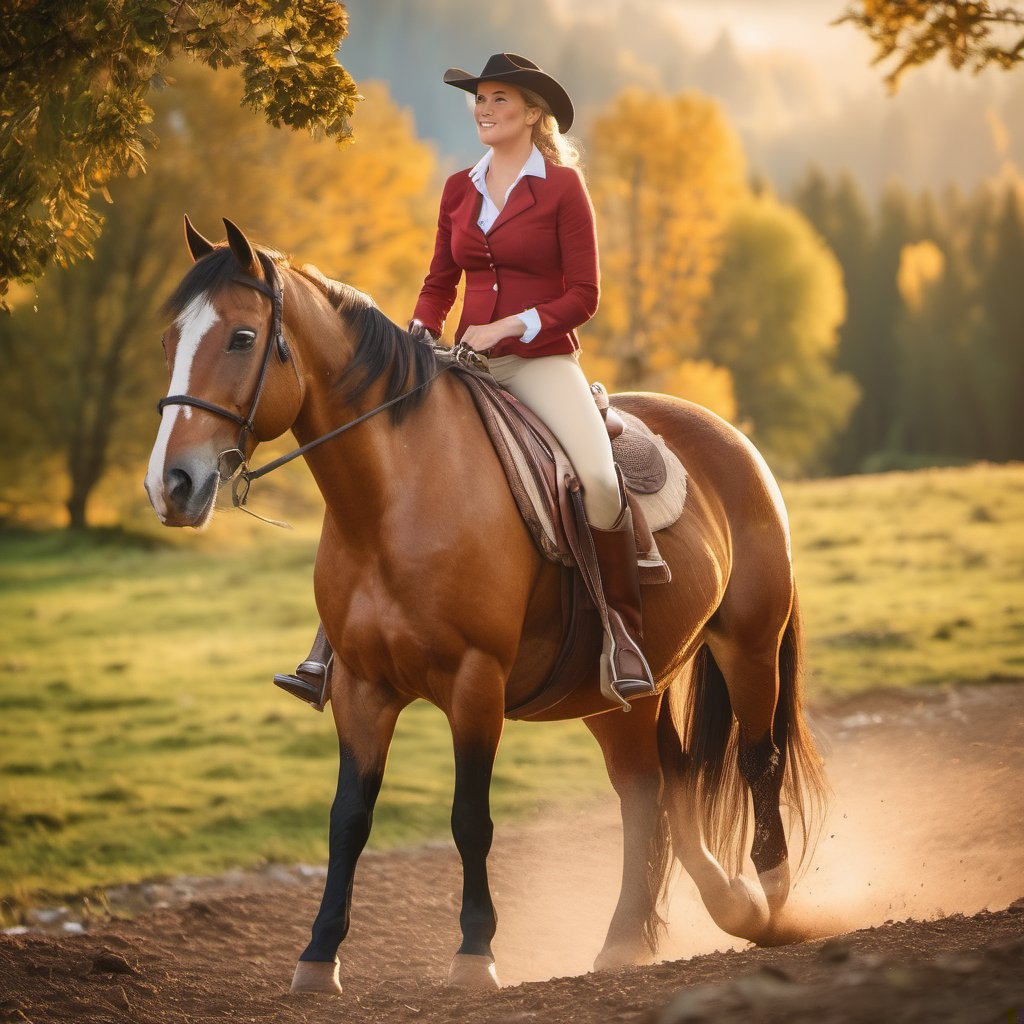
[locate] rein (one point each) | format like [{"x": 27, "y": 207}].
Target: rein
[{"x": 242, "y": 476}]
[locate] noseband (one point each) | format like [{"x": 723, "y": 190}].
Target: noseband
[{"x": 275, "y": 292}]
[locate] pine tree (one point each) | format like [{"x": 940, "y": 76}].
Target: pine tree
[
  {"x": 999, "y": 342},
  {"x": 874, "y": 362},
  {"x": 841, "y": 217}
]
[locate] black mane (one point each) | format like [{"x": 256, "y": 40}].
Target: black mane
[{"x": 384, "y": 350}]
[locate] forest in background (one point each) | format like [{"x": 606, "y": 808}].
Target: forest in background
[
  {"x": 797, "y": 88},
  {"x": 843, "y": 331},
  {"x": 934, "y": 333}
]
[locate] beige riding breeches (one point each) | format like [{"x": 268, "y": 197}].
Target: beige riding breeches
[{"x": 556, "y": 390}]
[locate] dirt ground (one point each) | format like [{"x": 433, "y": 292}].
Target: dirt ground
[{"x": 916, "y": 880}]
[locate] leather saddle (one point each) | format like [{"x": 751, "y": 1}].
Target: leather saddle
[
  {"x": 539, "y": 473},
  {"x": 547, "y": 493}
]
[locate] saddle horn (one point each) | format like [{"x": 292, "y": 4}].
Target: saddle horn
[
  {"x": 240, "y": 246},
  {"x": 197, "y": 245}
]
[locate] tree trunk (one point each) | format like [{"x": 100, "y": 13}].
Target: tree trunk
[{"x": 76, "y": 505}]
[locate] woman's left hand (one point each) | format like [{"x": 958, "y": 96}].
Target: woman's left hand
[{"x": 482, "y": 337}]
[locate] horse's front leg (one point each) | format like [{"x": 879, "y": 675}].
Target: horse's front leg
[
  {"x": 476, "y": 717},
  {"x": 365, "y": 716}
]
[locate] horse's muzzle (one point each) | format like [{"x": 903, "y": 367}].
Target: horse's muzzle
[{"x": 188, "y": 494}]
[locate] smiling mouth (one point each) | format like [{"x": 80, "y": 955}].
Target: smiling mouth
[{"x": 486, "y": 124}]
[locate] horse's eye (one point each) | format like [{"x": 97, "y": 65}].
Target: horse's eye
[{"x": 242, "y": 340}]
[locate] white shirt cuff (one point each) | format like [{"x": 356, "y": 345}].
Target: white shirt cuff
[{"x": 531, "y": 318}]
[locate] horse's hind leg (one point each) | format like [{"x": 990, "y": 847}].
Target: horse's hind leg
[
  {"x": 746, "y": 648},
  {"x": 762, "y": 765},
  {"x": 630, "y": 747},
  {"x": 735, "y": 686},
  {"x": 365, "y": 717}
]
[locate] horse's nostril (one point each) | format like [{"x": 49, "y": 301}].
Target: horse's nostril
[{"x": 178, "y": 486}]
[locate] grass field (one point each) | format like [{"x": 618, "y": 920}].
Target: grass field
[{"x": 140, "y": 736}]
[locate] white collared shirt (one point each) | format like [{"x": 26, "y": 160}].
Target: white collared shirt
[{"x": 489, "y": 214}]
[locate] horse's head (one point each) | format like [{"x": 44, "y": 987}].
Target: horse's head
[{"x": 233, "y": 378}]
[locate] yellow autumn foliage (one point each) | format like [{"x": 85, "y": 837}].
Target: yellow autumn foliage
[
  {"x": 921, "y": 265},
  {"x": 665, "y": 173}
]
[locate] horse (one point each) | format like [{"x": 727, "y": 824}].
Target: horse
[{"x": 429, "y": 586}]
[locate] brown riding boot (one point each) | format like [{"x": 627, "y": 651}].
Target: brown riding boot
[
  {"x": 625, "y": 673},
  {"x": 311, "y": 679}
]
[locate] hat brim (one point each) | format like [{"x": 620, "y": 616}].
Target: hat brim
[{"x": 536, "y": 81}]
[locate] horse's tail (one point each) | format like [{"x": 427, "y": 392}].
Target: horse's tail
[
  {"x": 805, "y": 789},
  {"x": 698, "y": 743}
]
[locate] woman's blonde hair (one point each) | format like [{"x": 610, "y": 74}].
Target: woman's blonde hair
[{"x": 553, "y": 145}]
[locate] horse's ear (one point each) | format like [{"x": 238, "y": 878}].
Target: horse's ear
[
  {"x": 197, "y": 245},
  {"x": 240, "y": 247}
]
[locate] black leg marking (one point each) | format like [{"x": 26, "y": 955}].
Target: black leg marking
[
  {"x": 351, "y": 818},
  {"x": 473, "y": 831},
  {"x": 762, "y": 764}
]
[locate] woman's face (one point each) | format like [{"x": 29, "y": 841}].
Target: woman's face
[{"x": 501, "y": 114}]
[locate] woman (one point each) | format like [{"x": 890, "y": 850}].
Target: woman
[{"x": 520, "y": 226}]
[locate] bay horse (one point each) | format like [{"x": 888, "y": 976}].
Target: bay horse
[{"x": 430, "y": 586}]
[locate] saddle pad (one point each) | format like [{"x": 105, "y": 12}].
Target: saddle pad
[{"x": 643, "y": 456}]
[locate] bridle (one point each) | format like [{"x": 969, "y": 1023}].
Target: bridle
[
  {"x": 275, "y": 292},
  {"x": 241, "y": 474}
]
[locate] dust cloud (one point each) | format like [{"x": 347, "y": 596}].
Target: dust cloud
[{"x": 925, "y": 821}]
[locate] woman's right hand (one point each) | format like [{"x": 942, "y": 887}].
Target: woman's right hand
[{"x": 420, "y": 333}]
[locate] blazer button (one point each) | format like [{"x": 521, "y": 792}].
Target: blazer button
[
  {"x": 491, "y": 265},
  {"x": 495, "y": 286}
]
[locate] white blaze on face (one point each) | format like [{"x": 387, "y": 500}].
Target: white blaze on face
[{"x": 193, "y": 323}]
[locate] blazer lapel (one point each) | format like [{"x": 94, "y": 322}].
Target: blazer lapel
[
  {"x": 522, "y": 199},
  {"x": 467, "y": 212}
]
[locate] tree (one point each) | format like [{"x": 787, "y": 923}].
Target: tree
[
  {"x": 707, "y": 384},
  {"x": 75, "y": 84},
  {"x": 772, "y": 322},
  {"x": 998, "y": 355},
  {"x": 839, "y": 214},
  {"x": 874, "y": 359},
  {"x": 972, "y": 33},
  {"x": 939, "y": 410},
  {"x": 82, "y": 373},
  {"x": 665, "y": 172}
]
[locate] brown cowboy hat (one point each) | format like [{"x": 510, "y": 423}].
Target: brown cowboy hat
[{"x": 516, "y": 70}]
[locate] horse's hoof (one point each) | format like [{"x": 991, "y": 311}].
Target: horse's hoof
[
  {"x": 611, "y": 958},
  {"x": 739, "y": 909},
  {"x": 776, "y": 884},
  {"x": 469, "y": 970},
  {"x": 312, "y": 976}
]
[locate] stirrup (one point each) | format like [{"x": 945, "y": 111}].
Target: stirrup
[
  {"x": 313, "y": 693},
  {"x": 622, "y": 690}
]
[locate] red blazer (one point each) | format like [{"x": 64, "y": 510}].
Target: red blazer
[{"x": 541, "y": 252}]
